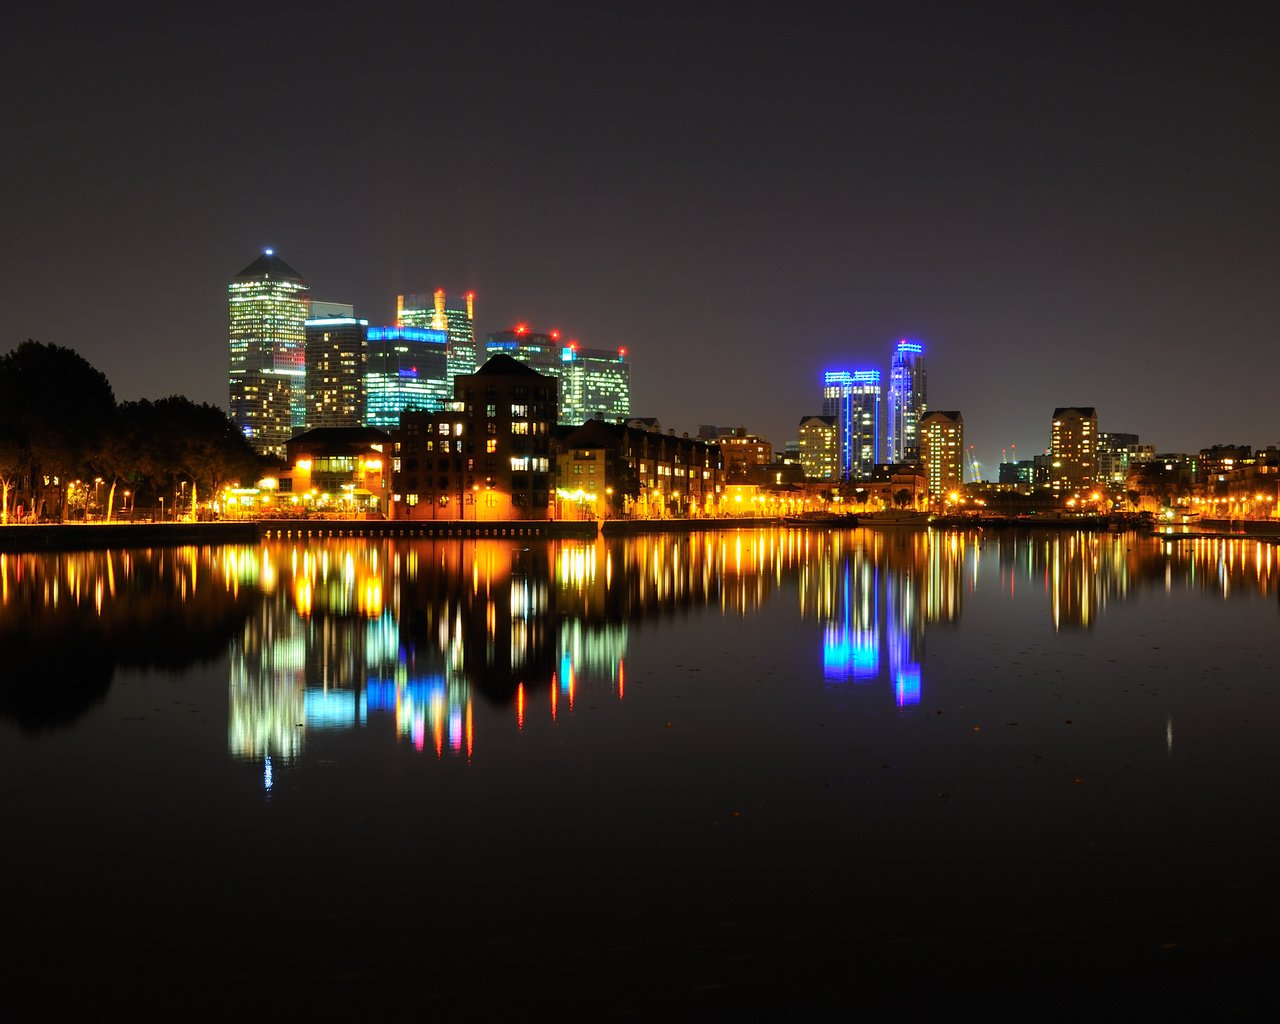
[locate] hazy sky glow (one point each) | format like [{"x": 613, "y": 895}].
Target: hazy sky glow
[{"x": 1068, "y": 206}]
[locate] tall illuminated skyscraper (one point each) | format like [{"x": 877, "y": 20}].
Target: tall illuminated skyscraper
[
  {"x": 1073, "y": 449},
  {"x": 407, "y": 371},
  {"x": 336, "y": 357},
  {"x": 457, "y": 319},
  {"x": 853, "y": 398},
  {"x": 595, "y": 383},
  {"x": 268, "y": 303},
  {"x": 906, "y": 401}
]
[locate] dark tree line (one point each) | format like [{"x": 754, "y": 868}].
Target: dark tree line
[{"x": 62, "y": 431}]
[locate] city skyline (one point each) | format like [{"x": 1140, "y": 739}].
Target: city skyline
[{"x": 1067, "y": 207}]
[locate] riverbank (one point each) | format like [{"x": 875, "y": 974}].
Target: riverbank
[{"x": 98, "y": 536}]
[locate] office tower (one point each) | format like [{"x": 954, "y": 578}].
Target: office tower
[
  {"x": 819, "y": 448},
  {"x": 853, "y": 398},
  {"x": 1073, "y": 449},
  {"x": 268, "y": 304},
  {"x": 906, "y": 401},
  {"x": 542, "y": 352},
  {"x": 457, "y": 318},
  {"x": 407, "y": 369},
  {"x": 942, "y": 451},
  {"x": 336, "y": 360},
  {"x": 595, "y": 383}
]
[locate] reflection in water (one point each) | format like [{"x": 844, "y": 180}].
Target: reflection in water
[
  {"x": 68, "y": 620},
  {"x": 407, "y": 635}
]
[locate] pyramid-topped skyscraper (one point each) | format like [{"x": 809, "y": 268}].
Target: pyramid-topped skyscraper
[{"x": 268, "y": 304}]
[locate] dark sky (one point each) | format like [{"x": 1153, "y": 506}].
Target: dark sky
[{"x": 1068, "y": 205}]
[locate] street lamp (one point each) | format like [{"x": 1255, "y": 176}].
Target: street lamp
[{"x": 162, "y": 508}]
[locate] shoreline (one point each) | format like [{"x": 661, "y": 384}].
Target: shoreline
[{"x": 51, "y": 537}]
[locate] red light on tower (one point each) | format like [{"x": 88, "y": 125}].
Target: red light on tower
[
  {"x": 522, "y": 328},
  {"x": 555, "y": 335},
  {"x": 622, "y": 352}
]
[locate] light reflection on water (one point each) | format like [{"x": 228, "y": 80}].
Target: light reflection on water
[
  {"x": 830, "y": 742},
  {"x": 340, "y": 634}
]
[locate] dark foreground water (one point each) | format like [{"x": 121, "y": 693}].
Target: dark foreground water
[{"x": 1006, "y": 775}]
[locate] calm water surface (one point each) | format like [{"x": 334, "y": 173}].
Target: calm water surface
[{"x": 780, "y": 768}]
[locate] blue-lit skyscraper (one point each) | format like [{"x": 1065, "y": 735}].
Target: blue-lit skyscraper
[
  {"x": 456, "y": 318},
  {"x": 407, "y": 369},
  {"x": 906, "y": 401},
  {"x": 853, "y": 398}
]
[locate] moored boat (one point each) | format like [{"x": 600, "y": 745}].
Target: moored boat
[{"x": 896, "y": 519}]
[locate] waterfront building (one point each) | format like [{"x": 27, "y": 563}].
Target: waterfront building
[
  {"x": 745, "y": 456},
  {"x": 407, "y": 369},
  {"x": 819, "y": 448},
  {"x": 336, "y": 357},
  {"x": 942, "y": 451},
  {"x": 268, "y": 305},
  {"x": 344, "y": 470},
  {"x": 906, "y": 401},
  {"x": 487, "y": 455},
  {"x": 608, "y": 469},
  {"x": 853, "y": 398},
  {"x": 1073, "y": 450},
  {"x": 456, "y": 317},
  {"x": 594, "y": 384}
]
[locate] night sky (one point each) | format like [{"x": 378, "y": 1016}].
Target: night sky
[{"x": 1068, "y": 206}]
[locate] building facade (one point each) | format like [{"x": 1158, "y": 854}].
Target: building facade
[
  {"x": 268, "y": 305},
  {"x": 942, "y": 451},
  {"x": 456, "y": 317},
  {"x": 594, "y": 384},
  {"x": 407, "y": 370},
  {"x": 609, "y": 469},
  {"x": 487, "y": 455},
  {"x": 745, "y": 456},
  {"x": 819, "y": 450},
  {"x": 906, "y": 402},
  {"x": 853, "y": 398},
  {"x": 1073, "y": 450},
  {"x": 336, "y": 357},
  {"x": 343, "y": 471}
]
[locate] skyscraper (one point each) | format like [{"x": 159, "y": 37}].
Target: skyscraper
[
  {"x": 942, "y": 451},
  {"x": 336, "y": 358},
  {"x": 407, "y": 370},
  {"x": 906, "y": 401},
  {"x": 1073, "y": 449},
  {"x": 853, "y": 398},
  {"x": 540, "y": 351},
  {"x": 456, "y": 318},
  {"x": 268, "y": 303},
  {"x": 595, "y": 383}
]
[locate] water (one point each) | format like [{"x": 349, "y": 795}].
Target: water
[{"x": 783, "y": 768}]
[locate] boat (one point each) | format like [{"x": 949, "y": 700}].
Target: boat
[
  {"x": 820, "y": 519},
  {"x": 896, "y": 519}
]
